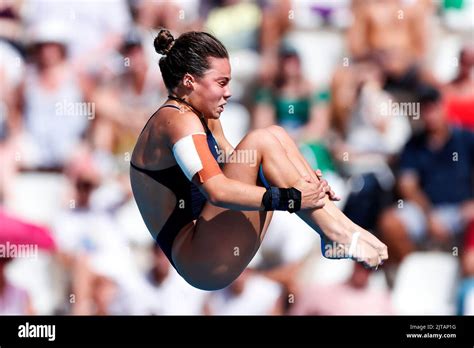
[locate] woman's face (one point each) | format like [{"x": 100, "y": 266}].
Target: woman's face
[
  {"x": 290, "y": 66},
  {"x": 211, "y": 91},
  {"x": 137, "y": 57},
  {"x": 50, "y": 54}
]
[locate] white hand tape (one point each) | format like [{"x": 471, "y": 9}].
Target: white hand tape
[{"x": 353, "y": 246}]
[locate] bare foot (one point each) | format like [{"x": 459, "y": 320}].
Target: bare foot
[{"x": 359, "y": 250}]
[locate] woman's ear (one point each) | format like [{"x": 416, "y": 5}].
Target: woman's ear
[{"x": 188, "y": 81}]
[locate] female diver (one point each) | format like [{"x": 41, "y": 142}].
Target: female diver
[{"x": 222, "y": 210}]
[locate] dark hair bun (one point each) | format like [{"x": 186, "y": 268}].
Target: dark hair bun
[{"x": 163, "y": 42}]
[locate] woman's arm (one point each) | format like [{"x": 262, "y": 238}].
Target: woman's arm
[
  {"x": 187, "y": 140},
  {"x": 222, "y": 192}
]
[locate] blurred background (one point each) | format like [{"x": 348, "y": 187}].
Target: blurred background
[{"x": 378, "y": 94}]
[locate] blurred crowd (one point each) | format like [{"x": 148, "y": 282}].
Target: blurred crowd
[{"x": 378, "y": 94}]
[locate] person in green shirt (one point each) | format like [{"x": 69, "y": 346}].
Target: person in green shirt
[{"x": 293, "y": 103}]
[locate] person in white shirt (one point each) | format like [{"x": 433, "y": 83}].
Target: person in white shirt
[
  {"x": 13, "y": 300},
  {"x": 249, "y": 294},
  {"x": 165, "y": 292}
]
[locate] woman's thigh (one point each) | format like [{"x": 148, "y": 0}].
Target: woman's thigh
[{"x": 224, "y": 241}]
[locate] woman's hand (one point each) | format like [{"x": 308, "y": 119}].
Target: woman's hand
[
  {"x": 371, "y": 256},
  {"x": 327, "y": 189},
  {"x": 312, "y": 195},
  {"x": 368, "y": 255},
  {"x": 374, "y": 242}
]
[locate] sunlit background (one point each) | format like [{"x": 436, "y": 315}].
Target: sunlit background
[{"x": 353, "y": 82}]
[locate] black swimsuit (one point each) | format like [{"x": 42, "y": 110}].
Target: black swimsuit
[{"x": 189, "y": 200}]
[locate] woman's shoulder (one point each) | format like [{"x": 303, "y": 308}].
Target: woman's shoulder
[{"x": 176, "y": 124}]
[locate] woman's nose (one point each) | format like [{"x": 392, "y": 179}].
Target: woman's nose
[{"x": 227, "y": 93}]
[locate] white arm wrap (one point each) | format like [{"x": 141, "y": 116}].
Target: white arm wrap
[{"x": 186, "y": 155}]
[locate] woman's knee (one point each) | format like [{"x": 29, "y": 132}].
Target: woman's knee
[
  {"x": 263, "y": 139},
  {"x": 278, "y": 131},
  {"x": 282, "y": 136}
]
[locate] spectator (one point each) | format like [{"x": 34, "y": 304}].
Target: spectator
[
  {"x": 80, "y": 227},
  {"x": 275, "y": 25},
  {"x": 237, "y": 23},
  {"x": 11, "y": 74},
  {"x": 468, "y": 253},
  {"x": 166, "y": 292},
  {"x": 104, "y": 292},
  {"x": 8, "y": 155},
  {"x": 83, "y": 231},
  {"x": 98, "y": 30},
  {"x": 106, "y": 66},
  {"x": 126, "y": 102},
  {"x": 11, "y": 29},
  {"x": 466, "y": 288},
  {"x": 100, "y": 285},
  {"x": 55, "y": 115},
  {"x": 249, "y": 294},
  {"x": 13, "y": 300},
  {"x": 395, "y": 34},
  {"x": 354, "y": 297},
  {"x": 430, "y": 209},
  {"x": 368, "y": 135},
  {"x": 176, "y": 15},
  {"x": 292, "y": 102},
  {"x": 282, "y": 255},
  {"x": 459, "y": 94}
]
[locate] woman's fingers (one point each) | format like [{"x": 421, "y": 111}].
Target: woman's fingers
[
  {"x": 320, "y": 197},
  {"x": 376, "y": 243},
  {"x": 368, "y": 255},
  {"x": 383, "y": 252},
  {"x": 327, "y": 189},
  {"x": 312, "y": 196},
  {"x": 333, "y": 197}
]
